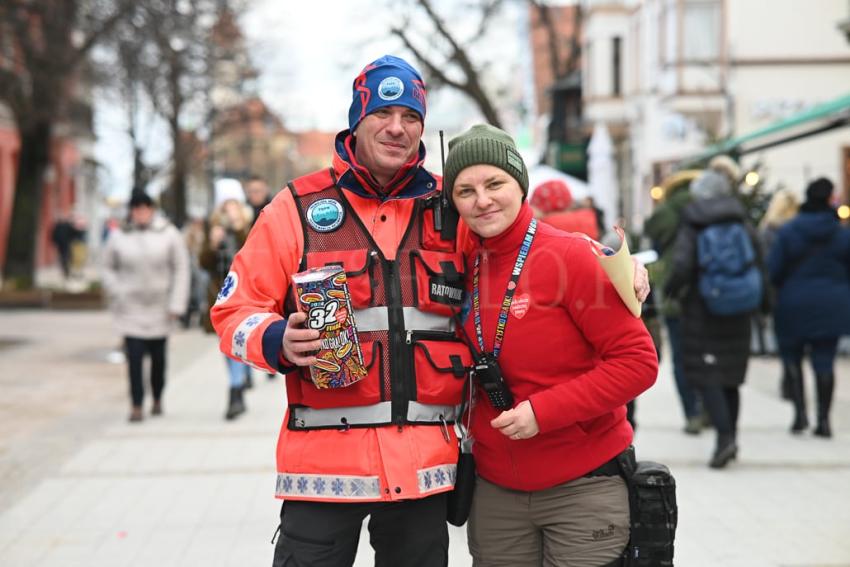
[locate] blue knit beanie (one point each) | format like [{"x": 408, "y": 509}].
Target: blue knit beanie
[{"x": 387, "y": 81}]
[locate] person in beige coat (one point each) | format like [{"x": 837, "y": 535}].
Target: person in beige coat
[{"x": 146, "y": 277}]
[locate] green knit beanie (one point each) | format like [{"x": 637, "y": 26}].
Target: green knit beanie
[{"x": 484, "y": 144}]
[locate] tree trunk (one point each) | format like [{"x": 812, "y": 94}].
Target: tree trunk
[
  {"x": 140, "y": 177},
  {"x": 178, "y": 177},
  {"x": 33, "y": 160},
  {"x": 177, "y": 187}
]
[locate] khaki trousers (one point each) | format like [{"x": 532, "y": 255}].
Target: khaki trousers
[{"x": 581, "y": 523}]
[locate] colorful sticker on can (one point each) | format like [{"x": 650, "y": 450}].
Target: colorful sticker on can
[
  {"x": 322, "y": 293},
  {"x": 325, "y": 215}
]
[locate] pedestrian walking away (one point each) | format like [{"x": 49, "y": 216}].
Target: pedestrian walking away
[
  {"x": 809, "y": 264},
  {"x": 716, "y": 322},
  {"x": 782, "y": 208},
  {"x": 661, "y": 228},
  {"x": 65, "y": 234},
  {"x": 544, "y": 315},
  {"x": 146, "y": 278}
]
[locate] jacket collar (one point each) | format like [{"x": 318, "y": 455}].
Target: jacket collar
[{"x": 410, "y": 182}]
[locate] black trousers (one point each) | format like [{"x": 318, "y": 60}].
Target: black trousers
[
  {"x": 410, "y": 533},
  {"x": 723, "y": 405},
  {"x": 136, "y": 349}
]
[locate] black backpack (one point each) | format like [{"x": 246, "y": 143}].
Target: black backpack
[{"x": 654, "y": 516}]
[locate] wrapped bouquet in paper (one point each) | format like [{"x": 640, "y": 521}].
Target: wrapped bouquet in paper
[
  {"x": 620, "y": 269},
  {"x": 322, "y": 293}
]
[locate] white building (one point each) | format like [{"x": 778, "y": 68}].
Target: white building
[{"x": 669, "y": 77}]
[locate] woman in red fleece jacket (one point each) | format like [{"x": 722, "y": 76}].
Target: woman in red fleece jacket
[{"x": 548, "y": 490}]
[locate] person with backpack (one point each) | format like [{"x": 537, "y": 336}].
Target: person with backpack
[
  {"x": 809, "y": 264},
  {"x": 661, "y": 228},
  {"x": 717, "y": 272}
]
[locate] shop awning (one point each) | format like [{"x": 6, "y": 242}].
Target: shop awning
[{"x": 820, "y": 118}]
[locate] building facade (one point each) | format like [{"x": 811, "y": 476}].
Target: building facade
[
  {"x": 670, "y": 77},
  {"x": 70, "y": 185}
]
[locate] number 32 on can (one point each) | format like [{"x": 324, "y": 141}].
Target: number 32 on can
[{"x": 323, "y": 315}]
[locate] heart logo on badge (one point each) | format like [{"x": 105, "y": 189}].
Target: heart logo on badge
[{"x": 519, "y": 306}]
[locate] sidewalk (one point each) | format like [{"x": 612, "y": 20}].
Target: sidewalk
[{"x": 82, "y": 487}]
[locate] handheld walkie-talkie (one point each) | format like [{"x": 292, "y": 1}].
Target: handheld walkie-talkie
[
  {"x": 486, "y": 372},
  {"x": 445, "y": 216},
  {"x": 489, "y": 376}
]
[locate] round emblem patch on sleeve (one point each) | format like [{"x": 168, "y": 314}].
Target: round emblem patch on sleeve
[
  {"x": 227, "y": 288},
  {"x": 325, "y": 215}
]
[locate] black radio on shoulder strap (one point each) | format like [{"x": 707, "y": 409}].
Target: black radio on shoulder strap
[
  {"x": 486, "y": 372},
  {"x": 489, "y": 376},
  {"x": 445, "y": 216}
]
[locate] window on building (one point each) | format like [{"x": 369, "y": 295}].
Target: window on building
[
  {"x": 701, "y": 29},
  {"x": 616, "y": 66}
]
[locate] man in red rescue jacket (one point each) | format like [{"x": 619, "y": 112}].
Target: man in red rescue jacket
[{"x": 384, "y": 447}]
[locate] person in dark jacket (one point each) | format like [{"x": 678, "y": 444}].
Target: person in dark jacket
[
  {"x": 63, "y": 236},
  {"x": 661, "y": 228},
  {"x": 258, "y": 194},
  {"x": 809, "y": 264},
  {"x": 715, "y": 349},
  {"x": 782, "y": 208}
]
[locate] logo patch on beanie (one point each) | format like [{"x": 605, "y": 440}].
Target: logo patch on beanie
[
  {"x": 513, "y": 159},
  {"x": 391, "y": 88},
  {"x": 325, "y": 215}
]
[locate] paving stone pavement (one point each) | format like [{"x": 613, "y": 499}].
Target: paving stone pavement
[{"x": 79, "y": 486}]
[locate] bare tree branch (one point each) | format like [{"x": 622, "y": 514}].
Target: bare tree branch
[
  {"x": 123, "y": 10},
  {"x": 432, "y": 68},
  {"x": 488, "y": 9},
  {"x": 472, "y": 87}
]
